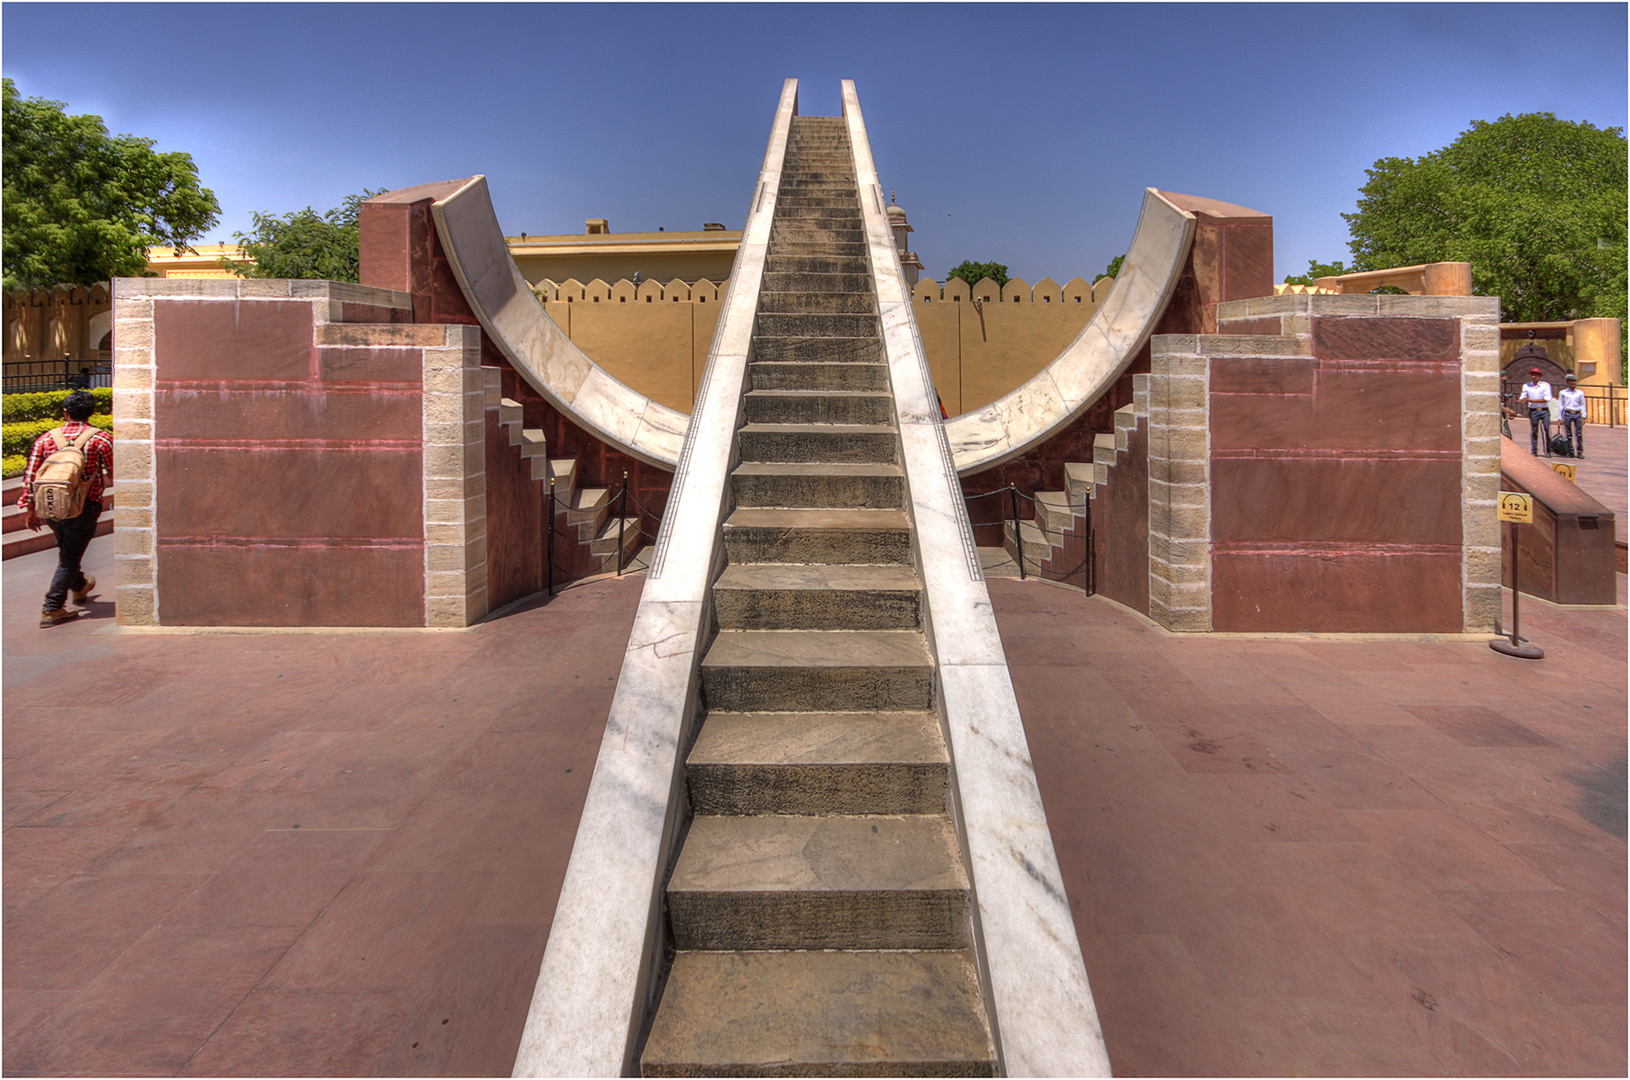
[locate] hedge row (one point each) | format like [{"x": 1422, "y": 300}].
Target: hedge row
[
  {"x": 13, "y": 465},
  {"x": 19, "y": 437},
  {"x": 48, "y": 405}
]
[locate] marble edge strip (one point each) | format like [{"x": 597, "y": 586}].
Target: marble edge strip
[
  {"x": 1044, "y": 1020},
  {"x": 1089, "y": 365},
  {"x": 533, "y": 343},
  {"x": 595, "y": 982}
]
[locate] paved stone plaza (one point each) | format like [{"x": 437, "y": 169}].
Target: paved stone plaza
[{"x": 337, "y": 853}]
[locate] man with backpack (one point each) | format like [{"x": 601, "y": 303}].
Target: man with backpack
[{"x": 69, "y": 468}]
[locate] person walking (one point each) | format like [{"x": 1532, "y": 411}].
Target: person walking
[
  {"x": 74, "y": 531},
  {"x": 1572, "y": 400},
  {"x": 1536, "y": 394}
]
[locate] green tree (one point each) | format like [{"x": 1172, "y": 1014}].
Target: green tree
[
  {"x": 304, "y": 243},
  {"x": 1535, "y": 204},
  {"x": 973, "y": 273},
  {"x": 83, "y": 206},
  {"x": 1114, "y": 267},
  {"x": 1317, "y": 269}
]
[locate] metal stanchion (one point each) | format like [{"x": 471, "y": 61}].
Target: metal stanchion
[
  {"x": 622, "y": 518},
  {"x": 1516, "y": 646},
  {"x": 1018, "y": 538}
]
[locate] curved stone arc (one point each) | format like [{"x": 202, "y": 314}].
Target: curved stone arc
[
  {"x": 535, "y": 345},
  {"x": 1089, "y": 365}
]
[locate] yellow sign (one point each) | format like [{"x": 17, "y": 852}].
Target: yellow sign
[
  {"x": 1516, "y": 506},
  {"x": 1565, "y": 469}
]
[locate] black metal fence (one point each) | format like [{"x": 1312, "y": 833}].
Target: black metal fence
[
  {"x": 620, "y": 501},
  {"x": 40, "y": 376},
  {"x": 1011, "y": 500}
]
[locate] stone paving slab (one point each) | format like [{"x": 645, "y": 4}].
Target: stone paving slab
[
  {"x": 277, "y": 854},
  {"x": 1364, "y": 857},
  {"x": 337, "y": 853}
]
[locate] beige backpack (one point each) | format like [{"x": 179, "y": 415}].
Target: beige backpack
[{"x": 61, "y": 483}]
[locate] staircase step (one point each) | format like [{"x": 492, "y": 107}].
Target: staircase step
[
  {"x": 532, "y": 441},
  {"x": 756, "y": 535},
  {"x": 777, "y": 375},
  {"x": 806, "y": 263},
  {"x": 845, "y": 249},
  {"x": 1078, "y": 481},
  {"x": 801, "y": 484},
  {"x": 1037, "y": 545},
  {"x": 817, "y": 303},
  {"x": 23, "y": 542},
  {"x": 843, "y": 350},
  {"x": 779, "y": 324},
  {"x": 1056, "y": 514},
  {"x": 819, "y": 596},
  {"x": 605, "y": 545},
  {"x": 819, "y": 670},
  {"x": 819, "y": 763},
  {"x": 818, "y": 283},
  {"x": 564, "y": 472},
  {"x": 510, "y": 412},
  {"x": 812, "y": 1013},
  {"x": 875, "y": 407},
  {"x": 852, "y": 443},
  {"x": 875, "y": 881}
]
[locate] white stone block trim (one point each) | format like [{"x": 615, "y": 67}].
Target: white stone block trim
[
  {"x": 454, "y": 488},
  {"x": 1180, "y": 513},
  {"x": 1037, "y": 994},
  {"x": 135, "y": 558},
  {"x": 595, "y": 987}
]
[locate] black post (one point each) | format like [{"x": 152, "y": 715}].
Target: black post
[
  {"x": 549, "y": 545},
  {"x": 622, "y": 516},
  {"x": 1018, "y": 538},
  {"x": 1516, "y": 646},
  {"x": 1087, "y": 573}
]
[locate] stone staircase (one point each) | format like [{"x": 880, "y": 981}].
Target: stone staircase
[
  {"x": 19, "y": 541},
  {"x": 819, "y": 903},
  {"x": 583, "y": 515}
]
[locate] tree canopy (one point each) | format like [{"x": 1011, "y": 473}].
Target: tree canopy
[
  {"x": 1114, "y": 267},
  {"x": 304, "y": 243},
  {"x": 82, "y": 206},
  {"x": 1535, "y": 204},
  {"x": 975, "y": 272}
]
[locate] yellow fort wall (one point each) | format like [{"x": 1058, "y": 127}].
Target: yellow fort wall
[{"x": 655, "y": 337}]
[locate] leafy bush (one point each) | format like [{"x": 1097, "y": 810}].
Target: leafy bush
[
  {"x": 48, "y": 405},
  {"x": 13, "y": 465},
  {"x": 19, "y": 437}
]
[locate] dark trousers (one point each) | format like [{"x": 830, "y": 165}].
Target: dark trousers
[
  {"x": 73, "y": 537},
  {"x": 1573, "y": 427},
  {"x": 1539, "y": 430}
]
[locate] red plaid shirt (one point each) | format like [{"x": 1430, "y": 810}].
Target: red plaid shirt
[{"x": 98, "y": 460}]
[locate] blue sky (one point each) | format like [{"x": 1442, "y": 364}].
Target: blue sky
[{"x": 1021, "y": 134}]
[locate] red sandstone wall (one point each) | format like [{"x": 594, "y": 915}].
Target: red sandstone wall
[
  {"x": 400, "y": 250},
  {"x": 1121, "y": 525},
  {"x": 1335, "y": 482},
  {"x": 289, "y": 472}
]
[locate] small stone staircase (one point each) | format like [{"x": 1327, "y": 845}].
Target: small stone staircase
[
  {"x": 819, "y": 903},
  {"x": 1055, "y": 538},
  {"x": 583, "y": 515},
  {"x": 20, "y": 541}
]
